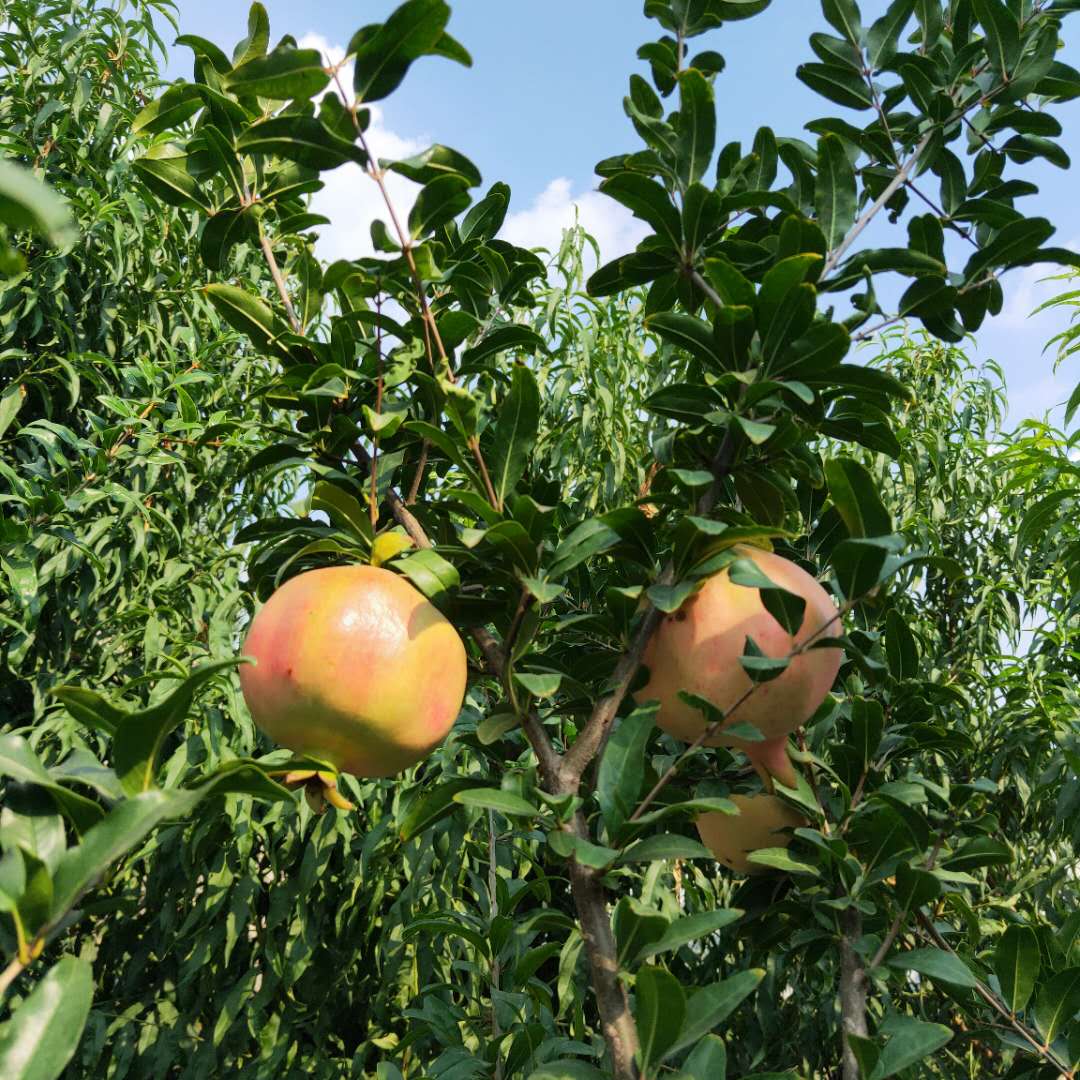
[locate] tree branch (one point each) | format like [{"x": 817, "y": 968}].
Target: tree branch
[
  {"x": 616, "y": 1020},
  {"x": 894, "y": 185},
  {"x": 279, "y": 280},
  {"x": 852, "y": 988}
]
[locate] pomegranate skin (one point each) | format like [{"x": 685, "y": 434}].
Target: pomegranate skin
[
  {"x": 758, "y": 824},
  {"x": 353, "y": 665},
  {"x": 697, "y": 649}
]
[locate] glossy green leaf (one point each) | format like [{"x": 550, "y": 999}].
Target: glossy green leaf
[
  {"x": 712, "y": 1005},
  {"x": 660, "y": 1012},
  {"x": 44, "y": 1031},
  {"x": 503, "y": 802},
  {"x": 1016, "y": 963},
  {"x": 1057, "y": 1002},
  {"x": 855, "y": 495},
  {"x": 836, "y": 193}
]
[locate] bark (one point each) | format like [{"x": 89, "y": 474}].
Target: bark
[
  {"x": 616, "y": 1020},
  {"x": 852, "y": 988}
]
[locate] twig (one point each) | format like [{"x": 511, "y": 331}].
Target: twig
[
  {"x": 406, "y": 244},
  {"x": 894, "y": 185},
  {"x": 10, "y": 974},
  {"x": 999, "y": 1006},
  {"x": 279, "y": 280},
  {"x": 593, "y": 738},
  {"x": 418, "y": 476}
]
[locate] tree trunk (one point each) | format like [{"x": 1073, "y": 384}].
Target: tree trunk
[
  {"x": 852, "y": 988},
  {"x": 620, "y": 1031}
]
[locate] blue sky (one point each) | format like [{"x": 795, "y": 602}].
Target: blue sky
[{"x": 543, "y": 103}]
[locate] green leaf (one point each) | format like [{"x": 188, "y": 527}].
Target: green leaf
[
  {"x": 11, "y": 401},
  {"x": 249, "y": 315},
  {"x": 541, "y": 686},
  {"x": 568, "y": 846},
  {"x": 1002, "y": 34},
  {"x": 778, "y": 859},
  {"x": 839, "y": 84},
  {"x": 855, "y": 496},
  {"x": 140, "y": 735},
  {"x": 567, "y": 1070},
  {"x": 665, "y": 847},
  {"x": 686, "y": 332},
  {"x": 712, "y": 1005},
  {"x": 1010, "y": 245},
  {"x": 431, "y": 574},
  {"x": 437, "y": 203},
  {"x": 911, "y": 1041},
  {"x": 283, "y": 74},
  {"x": 432, "y": 806},
  {"x": 27, "y": 203},
  {"x": 168, "y": 178},
  {"x": 707, "y": 1061},
  {"x": 515, "y": 431},
  {"x": 179, "y": 103},
  {"x": 866, "y": 1052},
  {"x": 124, "y": 826},
  {"x": 660, "y": 1012},
  {"x": 303, "y": 139},
  {"x": 843, "y": 16},
  {"x": 646, "y": 200},
  {"x": 697, "y": 125},
  {"x": 503, "y": 802},
  {"x": 1016, "y": 964},
  {"x": 19, "y": 762},
  {"x": 883, "y": 37},
  {"x": 835, "y": 196},
  {"x": 435, "y": 161},
  {"x": 44, "y": 1031},
  {"x": 258, "y": 35},
  {"x": 935, "y": 964},
  {"x": 1058, "y": 1002},
  {"x": 343, "y": 510},
  {"x": 689, "y": 928},
  {"x": 383, "y": 53},
  {"x": 622, "y": 767}
]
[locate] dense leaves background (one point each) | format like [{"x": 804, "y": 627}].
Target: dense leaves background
[{"x": 194, "y": 408}]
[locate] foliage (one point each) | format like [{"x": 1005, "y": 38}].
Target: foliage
[{"x": 200, "y": 409}]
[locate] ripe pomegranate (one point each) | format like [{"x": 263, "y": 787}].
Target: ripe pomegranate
[
  {"x": 732, "y": 837},
  {"x": 356, "y": 667},
  {"x": 697, "y": 649}
]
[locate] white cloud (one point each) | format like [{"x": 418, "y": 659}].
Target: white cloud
[
  {"x": 553, "y": 210},
  {"x": 352, "y": 200}
]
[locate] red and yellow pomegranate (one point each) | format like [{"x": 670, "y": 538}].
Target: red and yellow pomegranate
[
  {"x": 758, "y": 824},
  {"x": 697, "y": 649},
  {"x": 356, "y": 667}
]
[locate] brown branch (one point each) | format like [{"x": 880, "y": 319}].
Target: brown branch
[
  {"x": 418, "y": 476},
  {"x": 872, "y": 212},
  {"x": 10, "y": 974},
  {"x": 279, "y": 280},
  {"x": 406, "y": 244},
  {"x": 901, "y": 916},
  {"x": 591, "y": 737},
  {"x": 616, "y": 1020},
  {"x": 852, "y": 989}
]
